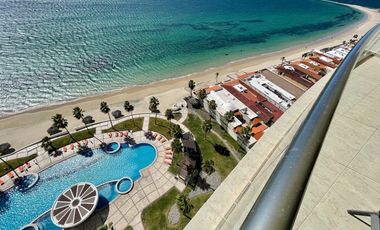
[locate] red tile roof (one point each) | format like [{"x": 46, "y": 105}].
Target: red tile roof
[
  {"x": 329, "y": 64},
  {"x": 213, "y": 88},
  {"x": 309, "y": 71},
  {"x": 295, "y": 76},
  {"x": 259, "y": 129}
]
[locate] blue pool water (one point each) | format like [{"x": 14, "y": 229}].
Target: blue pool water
[
  {"x": 20, "y": 208},
  {"x": 107, "y": 193}
]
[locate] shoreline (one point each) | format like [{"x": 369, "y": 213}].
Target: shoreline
[
  {"x": 55, "y": 104},
  {"x": 31, "y": 124}
]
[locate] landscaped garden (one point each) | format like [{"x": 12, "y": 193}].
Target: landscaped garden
[
  {"x": 155, "y": 216},
  {"x": 4, "y": 168},
  {"x": 78, "y": 136},
  {"x": 161, "y": 126},
  {"x": 218, "y": 129},
  {"x": 130, "y": 124},
  {"x": 209, "y": 145}
]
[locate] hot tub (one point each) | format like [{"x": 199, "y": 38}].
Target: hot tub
[{"x": 124, "y": 185}]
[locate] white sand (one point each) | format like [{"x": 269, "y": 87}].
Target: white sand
[{"x": 24, "y": 128}]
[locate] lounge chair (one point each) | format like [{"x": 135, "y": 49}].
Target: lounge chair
[
  {"x": 163, "y": 140},
  {"x": 168, "y": 161},
  {"x": 121, "y": 134},
  {"x": 125, "y": 134},
  {"x": 169, "y": 153},
  {"x": 20, "y": 169},
  {"x": 64, "y": 149},
  {"x": 168, "y": 157},
  {"x": 154, "y": 134},
  {"x": 159, "y": 138},
  {"x": 168, "y": 148},
  {"x": 72, "y": 146},
  {"x": 27, "y": 164},
  {"x": 1, "y": 182},
  {"x": 110, "y": 135},
  {"x": 10, "y": 175},
  {"x": 116, "y": 134}
]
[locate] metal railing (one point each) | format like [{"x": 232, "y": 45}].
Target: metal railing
[{"x": 278, "y": 203}]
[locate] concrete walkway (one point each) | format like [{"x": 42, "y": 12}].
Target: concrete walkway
[{"x": 145, "y": 126}]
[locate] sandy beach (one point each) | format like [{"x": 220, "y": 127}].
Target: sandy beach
[{"x": 27, "y": 127}]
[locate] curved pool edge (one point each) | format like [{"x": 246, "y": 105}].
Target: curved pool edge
[
  {"x": 119, "y": 182},
  {"x": 47, "y": 212}
]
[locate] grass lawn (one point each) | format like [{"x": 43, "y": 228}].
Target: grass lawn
[
  {"x": 234, "y": 144},
  {"x": 217, "y": 128},
  {"x": 155, "y": 215},
  {"x": 65, "y": 140},
  {"x": 177, "y": 158},
  {"x": 127, "y": 125},
  {"x": 177, "y": 116},
  {"x": 224, "y": 164},
  {"x": 162, "y": 126},
  {"x": 15, "y": 163}
]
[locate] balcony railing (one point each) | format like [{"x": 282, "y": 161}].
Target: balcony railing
[{"x": 278, "y": 203}]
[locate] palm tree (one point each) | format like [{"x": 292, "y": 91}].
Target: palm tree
[
  {"x": 153, "y": 107},
  {"x": 47, "y": 145},
  {"x": 191, "y": 86},
  {"x": 61, "y": 123},
  {"x": 208, "y": 167},
  {"x": 216, "y": 77},
  {"x": 283, "y": 60},
  {"x": 229, "y": 116},
  {"x": 176, "y": 130},
  {"x": 106, "y": 110},
  {"x": 206, "y": 127},
  {"x": 184, "y": 205},
  {"x": 212, "y": 106},
  {"x": 78, "y": 114},
  {"x": 202, "y": 94},
  {"x": 176, "y": 145},
  {"x": 129, "y": 108},
  {"x": 169, "y": 114},
  {"x": 245, "y": 134}
]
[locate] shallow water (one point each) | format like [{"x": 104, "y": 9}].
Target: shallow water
[{"x": 52, "y": 51}]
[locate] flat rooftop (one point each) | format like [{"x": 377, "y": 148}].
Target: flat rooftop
[{"x": 283, "y": 83}]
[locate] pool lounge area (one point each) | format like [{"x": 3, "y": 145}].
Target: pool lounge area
[
  {"x": 95, "y": 167},
  {"x": 143, "y": 181}
]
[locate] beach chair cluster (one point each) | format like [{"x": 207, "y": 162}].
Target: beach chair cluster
[
  {"x": 74, "y": 146},
  {"x": 118, "y": 134},
  {"x": 20, "y": 169},
  {"x": 168, "y": 155},
  {"x": 160, "y": 138}
]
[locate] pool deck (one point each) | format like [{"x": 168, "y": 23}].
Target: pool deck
[{"x": 125, "y": 210}]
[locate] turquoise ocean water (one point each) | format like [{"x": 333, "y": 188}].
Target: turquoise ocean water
[{"x": 53, "y": 51}]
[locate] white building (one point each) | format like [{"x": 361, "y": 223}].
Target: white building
[
  {"x": 272, "y": 92},
  {"x": 226, "y": 102}
]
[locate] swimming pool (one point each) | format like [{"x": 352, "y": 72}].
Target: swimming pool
[{"x": 20, "y": 208}]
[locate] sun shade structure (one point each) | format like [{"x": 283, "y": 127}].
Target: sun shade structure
[{"x": 74, "y": 205}]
